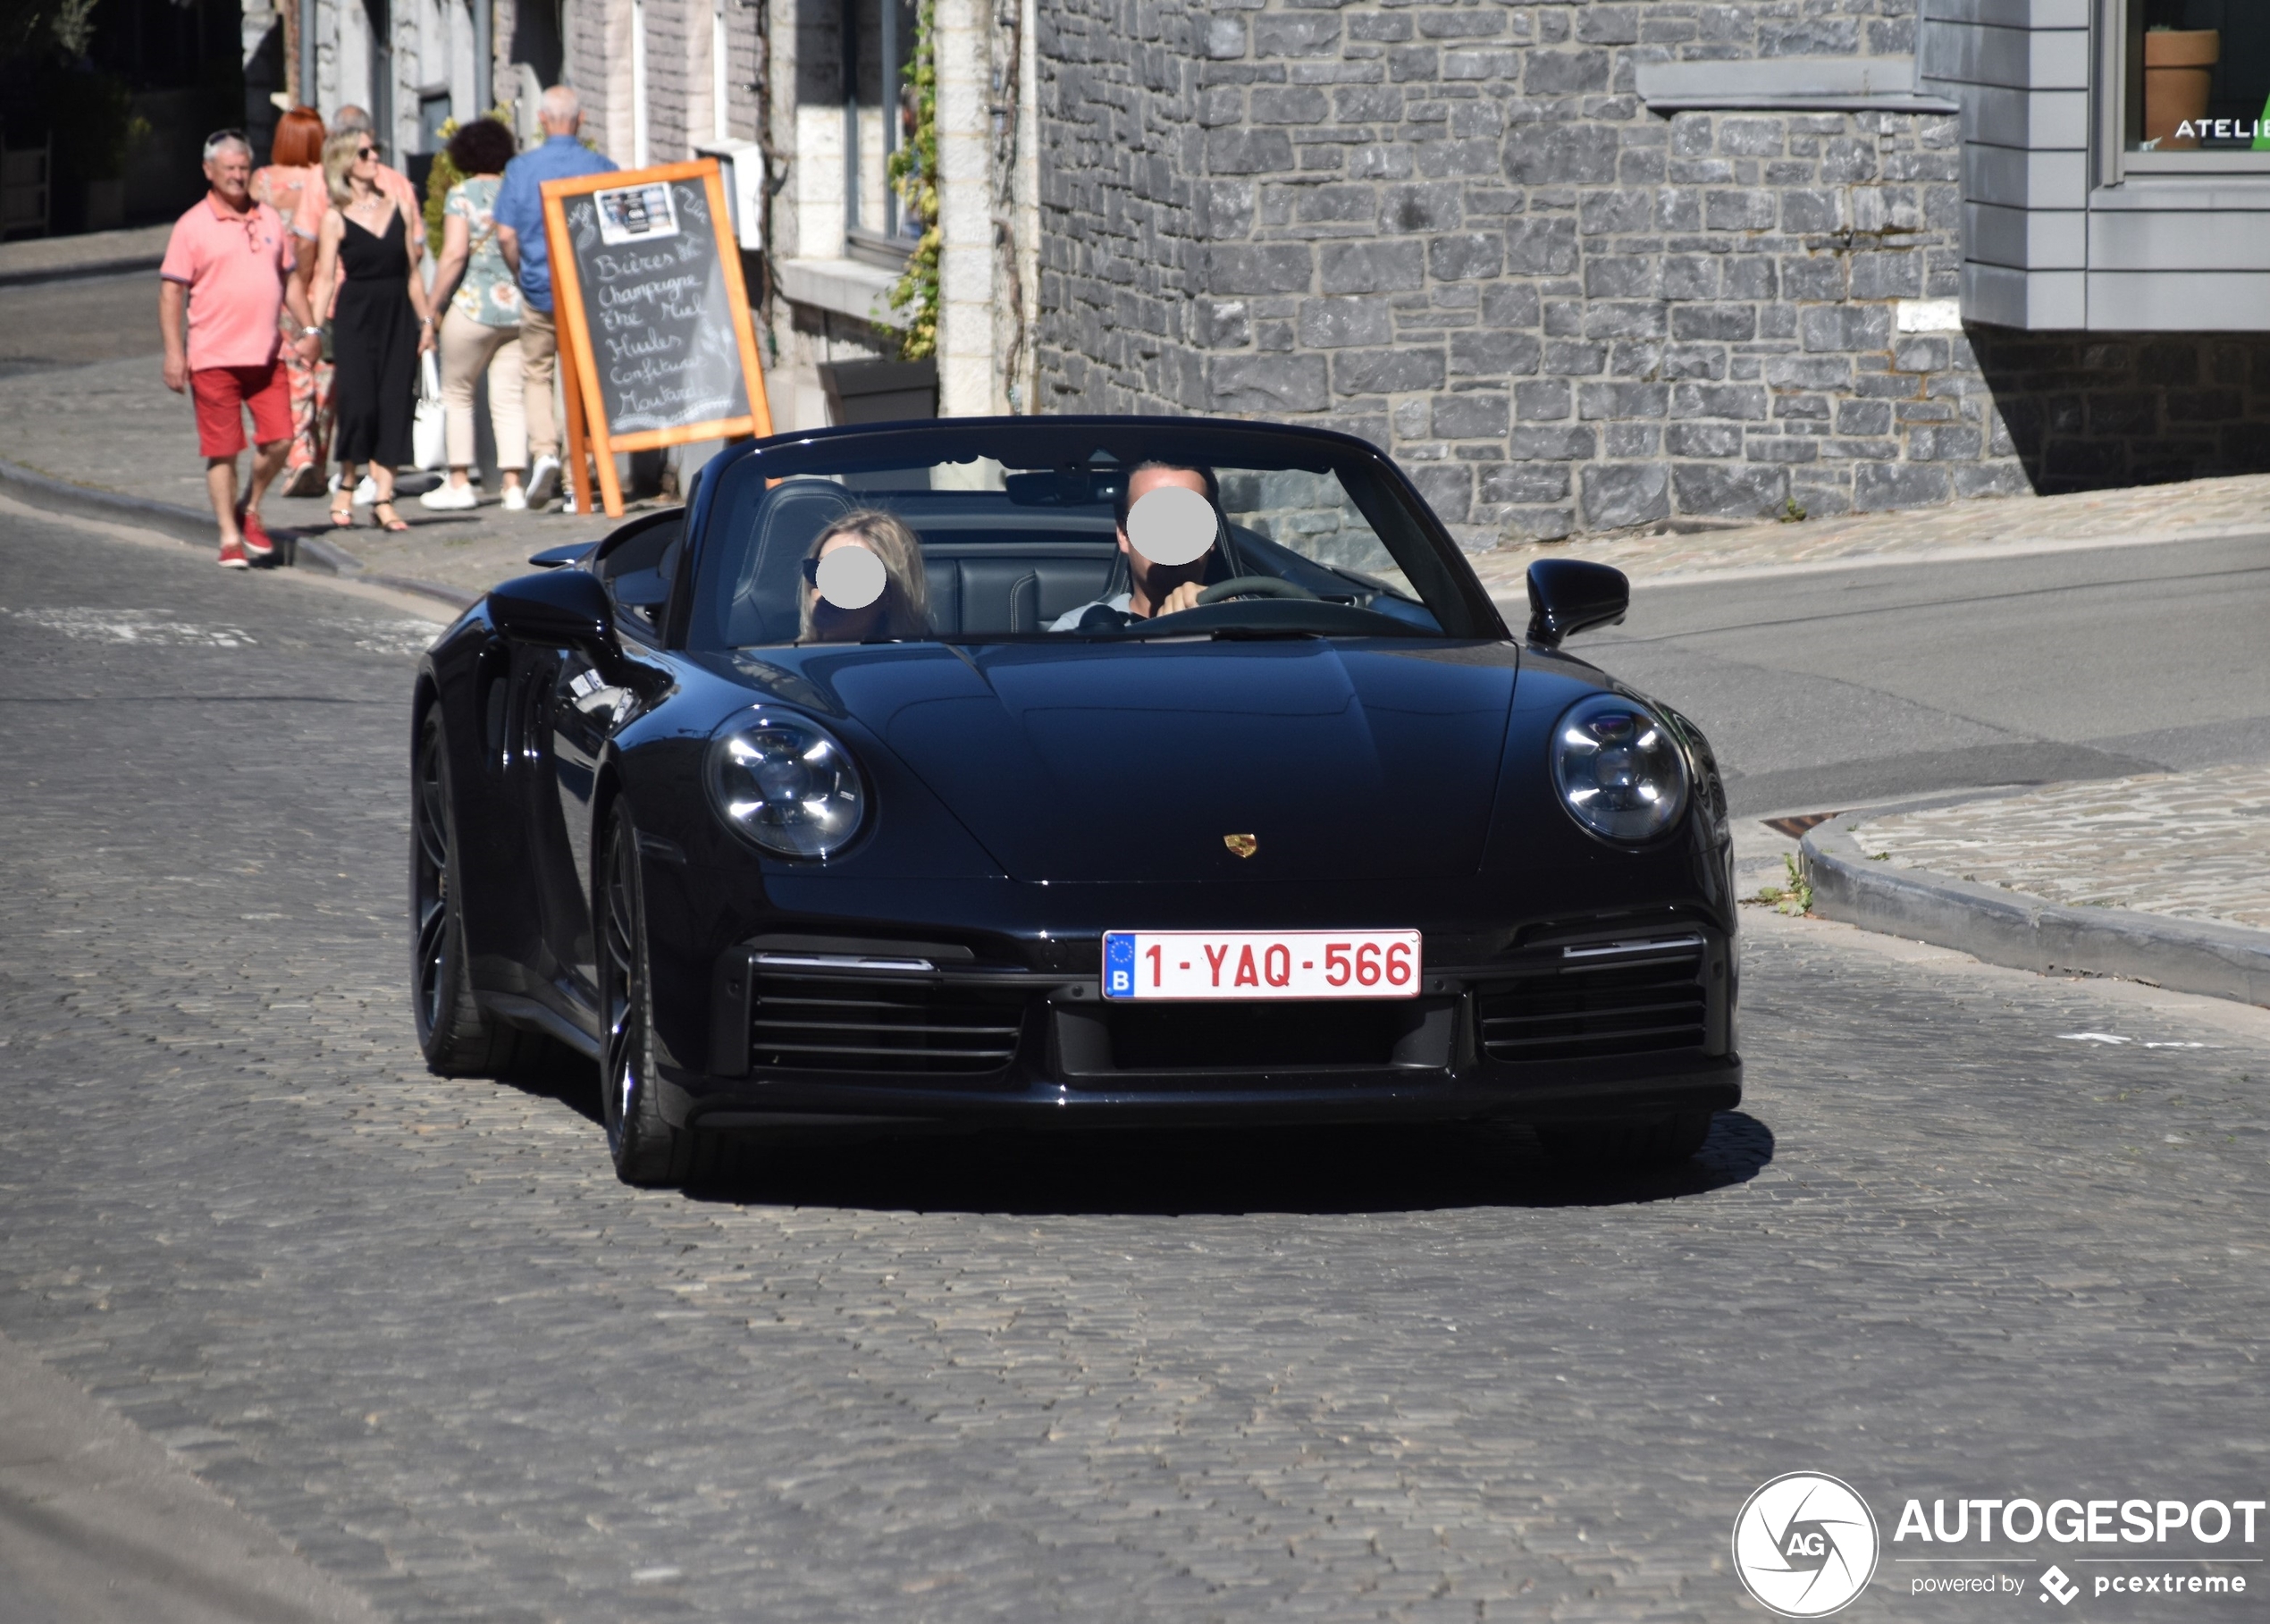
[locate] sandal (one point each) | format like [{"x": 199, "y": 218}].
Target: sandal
[
  {"x": 343, "y": 518},
  {"x": 383, "y": 515}
]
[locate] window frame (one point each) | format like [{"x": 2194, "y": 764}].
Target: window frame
[{"x": 2117, "y": 96}]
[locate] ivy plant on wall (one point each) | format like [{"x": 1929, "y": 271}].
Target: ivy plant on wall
[{"x": 914, "y": 172}]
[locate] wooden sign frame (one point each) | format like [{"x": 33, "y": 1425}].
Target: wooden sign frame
[{"x": 587, "y": 431}]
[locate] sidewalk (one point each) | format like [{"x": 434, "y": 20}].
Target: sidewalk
[
  {"x": 39, "y": 259},
  {"x": 2163, "y": 878},
  {"x": 1988, "y": 527}
]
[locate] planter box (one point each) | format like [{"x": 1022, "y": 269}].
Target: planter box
[{"x": 879, "y": 392}]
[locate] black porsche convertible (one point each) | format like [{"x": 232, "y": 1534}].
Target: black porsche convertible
[{"x": 1065, "y": 772}]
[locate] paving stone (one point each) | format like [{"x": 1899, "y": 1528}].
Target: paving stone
[
  {"x": 1408, "y": 1376},
  {"x": 2189, "y": 845}
]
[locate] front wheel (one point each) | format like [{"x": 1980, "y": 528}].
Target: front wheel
[
  {"x": 648, "y": 1150},
  {"x": 1641, "y": 1141}
]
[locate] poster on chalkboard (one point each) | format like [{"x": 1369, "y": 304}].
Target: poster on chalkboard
[{"x": 655, "y": 341}]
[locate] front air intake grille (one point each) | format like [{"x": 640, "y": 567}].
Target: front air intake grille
[
  {"x": 1599, "y": 1003},
  {"x": 820, "y": 1023}
]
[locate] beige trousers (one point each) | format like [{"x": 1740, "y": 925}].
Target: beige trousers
[
  {"x": 539, "y": 354},
  {"x": 468, "y": 348}
]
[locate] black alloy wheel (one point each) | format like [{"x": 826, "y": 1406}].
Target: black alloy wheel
[
  {"x": 648, "y": 1151},
  {"x": 459, "y": 1037}
]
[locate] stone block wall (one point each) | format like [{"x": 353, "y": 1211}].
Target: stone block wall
[{"x": 1455, "y": 230}]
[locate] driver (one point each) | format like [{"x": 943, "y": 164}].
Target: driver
[{"x": 1154, "y": 589}]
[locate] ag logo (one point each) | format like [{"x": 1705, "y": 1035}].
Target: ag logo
[{"x": 1804, "y": 1544}]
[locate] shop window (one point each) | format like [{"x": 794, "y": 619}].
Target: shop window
[{"x": 2194, "y": 79}]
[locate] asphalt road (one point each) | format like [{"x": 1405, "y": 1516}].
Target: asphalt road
[
  {"x": 416, "y": 1329},
  {"x": 1849, "y": 688}
]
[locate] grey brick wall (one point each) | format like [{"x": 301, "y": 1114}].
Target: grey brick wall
[{"x": 1455, "y": 230}]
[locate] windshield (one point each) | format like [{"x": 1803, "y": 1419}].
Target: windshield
[{"x": 1065, "y": 529}]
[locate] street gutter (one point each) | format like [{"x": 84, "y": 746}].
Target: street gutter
[{"x": 2004, "y": 926}]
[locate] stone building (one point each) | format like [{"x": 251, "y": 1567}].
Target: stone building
[{"x": 1578, "y": 266}]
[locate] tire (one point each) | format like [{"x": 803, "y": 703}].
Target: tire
[
  {"x": 648, "y": 1151},
  {"x": 1641, "y": 1141},
  {"x": 459, "y": 1037}
]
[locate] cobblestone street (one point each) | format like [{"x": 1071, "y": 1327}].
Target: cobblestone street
[{"x": 1949, "y": 1245}]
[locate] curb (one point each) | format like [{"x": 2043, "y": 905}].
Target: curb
[
  {"x": 306, "y": 551},
  {"x": 61, "y": 496},
  {"x": 2024, "y": 932},
  {"x": 119, "y": 266}
]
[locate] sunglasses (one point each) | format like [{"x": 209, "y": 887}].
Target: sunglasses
[
  {"x": 224, "y": 135},
  {"x": 366, "y": 152}
]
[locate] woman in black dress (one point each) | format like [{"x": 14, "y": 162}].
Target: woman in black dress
[{"x": 380, "y": 323}]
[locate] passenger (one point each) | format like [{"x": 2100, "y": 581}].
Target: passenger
[
  {"x": 1154, "y": 589},
  {"x": 903, "y": 607}
]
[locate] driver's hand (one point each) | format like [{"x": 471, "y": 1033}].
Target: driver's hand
[{"x": 1185, "y": 596}]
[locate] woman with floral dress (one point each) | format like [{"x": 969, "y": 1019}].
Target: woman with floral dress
[
  {"x": 481, "y": 328},
  {"x": 292, "y": 184}
]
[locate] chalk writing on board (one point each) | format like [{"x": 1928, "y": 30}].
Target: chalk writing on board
[{"x": 658, "y": 307}]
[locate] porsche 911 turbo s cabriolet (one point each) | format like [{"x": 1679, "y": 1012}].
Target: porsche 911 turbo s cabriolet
[{"x": 1065, "y": 772}]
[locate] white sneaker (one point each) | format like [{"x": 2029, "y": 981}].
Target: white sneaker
[
  {"x": 543, "y": 481},
  {"x": 516, "y": 500},
  {"x": 367, "y": 491},
  {"x": 450, "y": 498}
]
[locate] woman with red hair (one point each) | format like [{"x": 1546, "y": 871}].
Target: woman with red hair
[{"x": 292, "y": 184}]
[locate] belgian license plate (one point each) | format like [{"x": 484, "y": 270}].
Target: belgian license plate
[{"x": 1261, "y": 964}]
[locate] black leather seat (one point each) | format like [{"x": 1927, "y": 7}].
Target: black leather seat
[
  {"x": 979, "y": 588},
  {"x": 767, "y": 596}
]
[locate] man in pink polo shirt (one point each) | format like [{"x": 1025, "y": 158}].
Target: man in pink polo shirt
[{"x": 230, "y": 261}]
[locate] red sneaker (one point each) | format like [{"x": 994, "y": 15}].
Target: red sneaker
[
  {"x": 233, "y": 556},
  {"x": 257, "y": 542}
]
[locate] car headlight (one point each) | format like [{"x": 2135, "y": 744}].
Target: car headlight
[
  {"x": 1618, "y": 768},
  {"x": 786, "y": 783}
]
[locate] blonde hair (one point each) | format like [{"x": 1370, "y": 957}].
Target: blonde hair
[
  {"x": 338, "y": 157},
  {"x": 906, "y": 592}
]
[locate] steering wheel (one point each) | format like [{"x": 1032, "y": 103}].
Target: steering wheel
[{"x": 1253, "y": 586}]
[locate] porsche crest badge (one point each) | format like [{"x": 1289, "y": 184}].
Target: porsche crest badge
[{"x": 1244, "y": 845}]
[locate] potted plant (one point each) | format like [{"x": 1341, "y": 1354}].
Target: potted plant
[{"x": 2179, "y": 72}]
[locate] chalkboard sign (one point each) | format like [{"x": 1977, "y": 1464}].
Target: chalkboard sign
[{"x": 655, "y": 342}]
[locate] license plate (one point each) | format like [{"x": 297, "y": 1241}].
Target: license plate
[{"x": 1261, "y": 964}]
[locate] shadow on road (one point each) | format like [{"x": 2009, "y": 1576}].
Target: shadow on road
[
  {"x": 1322, "y": 1171},
  {"x": 1157, "y": 1172}
]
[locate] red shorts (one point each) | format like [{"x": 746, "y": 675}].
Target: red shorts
[{"x": 223, "y": 394}]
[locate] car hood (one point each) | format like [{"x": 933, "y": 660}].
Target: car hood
[{"x": 1134, "y": 761}]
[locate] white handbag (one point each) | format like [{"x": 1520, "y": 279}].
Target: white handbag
[{"x": 429, "y": 436}]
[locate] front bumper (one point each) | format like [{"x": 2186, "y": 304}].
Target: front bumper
[{"x": 1588, "y": 1025}]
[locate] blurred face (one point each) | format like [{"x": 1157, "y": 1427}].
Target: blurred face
[
  {"x": 1160, "y": 578},
  {"x": 229, "y": 172},
  {"x": 366, "y": 167},
  {"x": 831, "y": 623}
]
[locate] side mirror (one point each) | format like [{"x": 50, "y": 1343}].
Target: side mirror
[
  {"x": 568, "y": 609},
  {"x": 1570, "y": 595}
]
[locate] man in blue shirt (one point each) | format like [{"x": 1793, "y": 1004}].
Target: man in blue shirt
[{"x": 520, "y": 216}]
